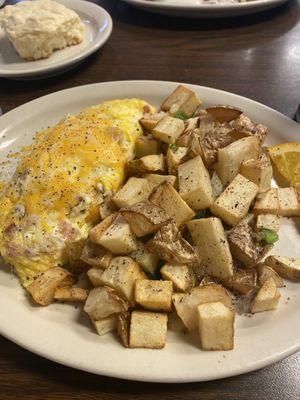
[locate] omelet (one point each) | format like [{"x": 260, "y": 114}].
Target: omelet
[{"x": 52, "y": 201}]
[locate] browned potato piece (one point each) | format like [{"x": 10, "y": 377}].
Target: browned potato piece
[
  {"x": 146, "y": 145},
  {"x": 146, "y": 260},
  {"x": 154, "y": 295},
  {"x": 243, "y": 127},
  {"x": 43, "y": 288},
  {"x": 242, "y": 281},
  {"x": 94, "y": 275},
  {"x": 265, "y": 272},
  {"x": 103, "y": 302},
  {"x": 216, "y": 326},
  {"x": 233, "y": 204},
  {"x": 289, "y": 205},
  {"x": 182, "y": 276},
  {"x": 287, "y": 267},
  {"x": 168, "y": 129},
  {"x": 183, "y": 99},
  {"x": 169, "y": 245},
  {"x": 150, "y": 120},
  {"x": 186, "y": 304},
  {"x": 174, "y": 157},
  {"x": 134, "y": 191},
  {"x": 168, "y": 198},
  {"x": 150, "y": 163},
  {"x": 267, "y": 203},
  {"x": 145, "y": 218},
  {"x": 123, "y": 327},
  {"x": 268, "y": 221},
  {"x": 224, "y": 113},
  {"x": 95, "y": 255},
  {"x": 70, "y": 294},
  {"x": 105, "y": 325},
  {"x": 259, "y": 172},
  {"x": 267, "y": 297},
  {"x": 148, "y": 330},
  {"x": 156, "y": 179},
  {"x": 107, "y": 208},
  {"x": 96, "y": 233}
]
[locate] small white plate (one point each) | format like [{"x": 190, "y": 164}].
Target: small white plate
[
  {"x": 98, "y": 27},
  {"x": 196, "y": 9},
  {"x": 62, "y": 333}
]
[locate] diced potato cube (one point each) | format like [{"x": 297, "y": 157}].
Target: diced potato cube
[
  {"x": 123, "y": 327},
  {"x": 267, "y": 297},
  {"x": 103, "y": 302},
  {"x": 94, "y": 275},
  {"x": 107, "y": 208},
  {"x": 289, "y": 205},
  {"x": 242, "y": 281},
  {"x": 209, "y": 236},
  {"x": 182, "y": 276},
  {"x": 43, "y": 288},
  {"x": 265, "y": 272},
  {"x": 148, "y": 330},
  {"x": 216, "y": 326},
  {"x": 231, "y": 157},
  {"x": 146, "y": 260},
  {"x": 134, "y": 191},
  {"x": 121, "y": 276},
  {"x": 186, "y": 304},
  {"x": 154, "y": 295},
  {"x": 97, "y": 231},
  {"x": 194, "y": 184},
  {"x": 168, "y": 129},
  {"x": 150, "y": 120},
  {"x": 174, "y": 158},
  {"x": 235, "y": 201},
  {"x": 217, "y": 185},
  {"x": 95, "y": 255},
  {"x": 168, "y": 198},
  {"x": 259, "y": 172},
  {"x": 118, "y": 238},
  {"x": 105, "y": 325},
  {"x": 150, "y": 163},
  {"x": 267, "y": 203},
  {"x": 268, "y": 221},
  {"x": 185, "y": 99},
  {"x": 287, "y": 267},
  {"x": 224, "y": 114},
  {"x": 156, "y": 179},
  {"x": 146, "y": 145},
  {"x": 70, "y": 294}
]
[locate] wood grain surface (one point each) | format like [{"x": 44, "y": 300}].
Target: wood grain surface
[{"x": 255, "y": 56}]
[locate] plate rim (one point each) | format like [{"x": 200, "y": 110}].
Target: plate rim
[
  {"x": 100, "y": 39},
  {"x": 34, "y": 348}
]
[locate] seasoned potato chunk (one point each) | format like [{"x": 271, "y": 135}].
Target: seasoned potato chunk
[
  {"x": 168, "y": 198},
  {"x": 146, "y": 145},
  {"x": 150, "y": 120},
  {"x": 259, "y": 172},
  {"x": 97, "y": 231},
  {"x": 156, "y": 179},
  {"x": 154, "y": 295},
  {"x": 118, "y": 238},
  {"x": 287, "y": 267},
  {"x": 186, "y": 304},
  {"x": 121, "y": 276},
  {"x": 175, "y": 155},
  {"x": 43, "y": 288},
  {"x": 70, "y": 294},
  {"x": 105, "y": 325},
  {"x": 268, "y": 221},
  {"x": 183, "y": 99},
  {"x": 242, "y": 281},
  {"x": 216, "y": 326},
  {"x": 231, "y": 157},
  {"x": 224, "y": 114},
  {"x": 123, "y": 327},
  {"x": 267, "y": 297},
  {"x": 103, "y": 302},
  {"x": 94, "y": 275},
  {"x": 145, "y": 218},
  {"x": 107, "y": 208},
  {"x": 233, "y": 204},
  {"x": 150, "y": 163},
  {"x": 95, "y": 255},
  {"x": 265, "y": 272},
  {"x": 289, "y": 205},
  {"x": 182, "y": 276},
  {"x": 209, "y": 236},
  {"x": 148, "y": 330},
  {"x": 134, "y": 191},
  {"x": 267, "y": 203},
  {"x": 168, "y": 129},
  {"x": 217, "y": 185},
  {"x": 194, "y": 184}
]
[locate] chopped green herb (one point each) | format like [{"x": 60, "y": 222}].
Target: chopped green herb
[
  {"x": 173, "y": 147},
  {"x": 201, "y": 214},
  {"x": 181, "y": 115},
  {"x": 269, "y": 236}
]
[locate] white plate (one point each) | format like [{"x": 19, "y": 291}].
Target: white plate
[
  {"x": 61, "y": 333},
  {"x": 98, "y": 27},
  {"x": 195, "y": 9}
]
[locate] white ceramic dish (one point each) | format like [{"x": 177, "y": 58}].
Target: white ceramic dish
[
  {"x": 61, "y": 333},
  {"x": 98, "y": 27},
  {"x": 195, "y": 8}
]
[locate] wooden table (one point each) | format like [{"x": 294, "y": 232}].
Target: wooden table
[{"x": 256, "y": 56}]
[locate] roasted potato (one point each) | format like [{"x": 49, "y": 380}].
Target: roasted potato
[
  {"x": 267, "y": 297},
  {"x": 287, "y": 267},
  {"x": 154, "y": 295},
  {"x": 147, "y": 164},
  {"x": 265, "y": 272},
  {"x": 242, "y": 281},
  {"x": 182, "y": 276},
  {"x": 182, "y": 99},
  {"x": 134, "y": 191},
  {"x": 105, "y": 325},
  {"x": 145, "y": 146},
  {"x": 168, "y": 129}
]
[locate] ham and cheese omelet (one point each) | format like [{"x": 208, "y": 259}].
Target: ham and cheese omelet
[{"x": 52, "y": 200}]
